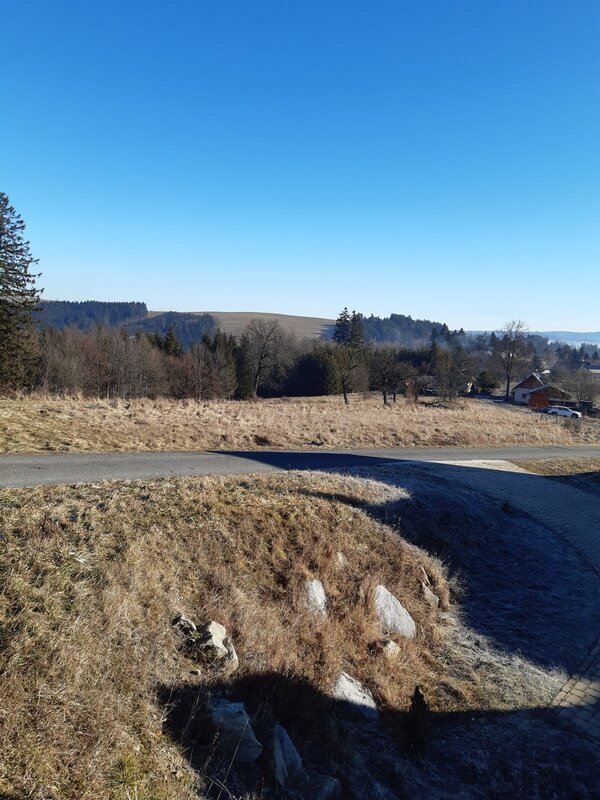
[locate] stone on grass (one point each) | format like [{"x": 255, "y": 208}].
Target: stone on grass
[
  {"x": 235, "y": 734},
  {"x": 391, "y": 649},
  {"x": 183, "y": 624},
  {"x": 430, "y": 598},
  {"x": 391, "y": 613},
  {"x": 316, "y": 599},
  {"x": 287, "y": 764},
  {"x": 211, "y": 640},
  {"x": 349, "y": 690},
  {"x": 212, "y": 644}
]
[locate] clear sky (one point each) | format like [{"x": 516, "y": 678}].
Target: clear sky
[{"x": 439, "y": 158}]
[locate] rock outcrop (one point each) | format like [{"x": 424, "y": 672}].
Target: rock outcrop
[
  {"x": 235, "y": 734},
  {"x": 287, "y": 764},
  {"x": 349, "y": 690},
  {"x": 394, "y": 618},
  {"x": 316, "y": 599}
]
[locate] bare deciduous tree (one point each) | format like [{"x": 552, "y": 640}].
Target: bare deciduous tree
[{"x": 510, "y": 351}]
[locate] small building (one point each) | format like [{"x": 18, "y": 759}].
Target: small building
[
  {"x": 545, "y": 396},
  {"x": 523, "y": 389}
]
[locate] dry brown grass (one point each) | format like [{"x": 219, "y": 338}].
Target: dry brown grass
[
  {"x": 40, "y": 424},
  {"x": 562, "y": 466},
  {"x": 582, "y": 473},
  {"x": 235, "y": 322},
  {"x": 92, "y": 577}
]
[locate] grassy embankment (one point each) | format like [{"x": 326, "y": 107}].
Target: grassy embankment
[
  {"x": 93, "y": 575},
  {"x": 49, "y": 424},
  {"x": 582, "y": 473}
]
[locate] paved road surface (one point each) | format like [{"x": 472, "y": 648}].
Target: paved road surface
[{"x": 67, "y": 468}]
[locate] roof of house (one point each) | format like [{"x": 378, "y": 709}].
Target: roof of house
[
  {"x": 530, "y": 382},
  {"x": 553, "y": 391}
]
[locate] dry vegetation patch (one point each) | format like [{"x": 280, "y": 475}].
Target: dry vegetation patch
[
  {"x": 582, "y": 473},
  {"x": 44, "y": 424},
  {"x": 93, "y": 575}
]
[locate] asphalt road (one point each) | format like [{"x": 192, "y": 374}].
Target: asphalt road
[{"x": 68, "y": 468}]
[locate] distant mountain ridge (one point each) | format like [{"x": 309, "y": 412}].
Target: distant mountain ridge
[
  {"x": 574, "y": 338},
  {"x": 189, "y": 326}
]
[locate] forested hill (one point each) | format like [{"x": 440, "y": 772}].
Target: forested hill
[
  {"x": 188, "y": 328},
  {"x": 396, "y": 329},
  {"x": 88, "y": 313},
  {"x": 132, "y": 317},
  {"x": 399, "y": 329}
]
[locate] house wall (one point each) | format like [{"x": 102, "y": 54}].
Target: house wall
[
  {"x": 538, "y": 400},
  {"x": 522, "y": 395}
]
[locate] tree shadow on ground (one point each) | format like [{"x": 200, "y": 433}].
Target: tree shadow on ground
[{"x": 420, "y": 755}]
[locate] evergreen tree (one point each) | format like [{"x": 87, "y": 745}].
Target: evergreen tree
[
  {"x": 18, "y": 298},
  {"x": 342, "y": 332},
  {"x": 243, "y": 362},
  {"x": 172, "y": 345},
  {"x": 223, "y": 349},
  {"x": 357, "y": 330}
]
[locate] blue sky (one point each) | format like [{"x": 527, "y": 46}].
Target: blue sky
[{"x": 438, "y": 158}]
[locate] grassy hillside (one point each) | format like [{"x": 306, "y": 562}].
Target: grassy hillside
[
  {"x": 100, "y": 699},
  {"x": 234, "y": 322},
  {"x": 98, "y": 573},
  {"x": 37, "y": 423}
]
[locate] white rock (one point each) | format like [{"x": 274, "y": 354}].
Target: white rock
[
  {"x": 392, "y": 614},
  {"x": 430, "y": 598},
  {"x": 232, "y": 722},
  {"x": 341, "y": 562},
  {"x": 316, "y": 599},
  {"x": 391, "y": 649},
  {"x": 212, "y": 644},
  {"x": 211, "y": 639},
  {"x": 287, "y": 763},
  {"x": 349, "y": 690}
]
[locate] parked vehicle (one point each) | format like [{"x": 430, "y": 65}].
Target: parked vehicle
[{"x": 563, "y": 411}]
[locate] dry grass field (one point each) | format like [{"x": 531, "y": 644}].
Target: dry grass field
[
  {"x": 583, "y": 473},
  {"x": 37, "y": 424},
  {"x": 92, "y": 578},
  {"x": 303, "y": 327},
  {"x": 235, "y": 322}
]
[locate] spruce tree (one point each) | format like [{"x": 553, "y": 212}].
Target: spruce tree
[
  {"x": 172, "y": 345},
  {"x": 18, "y": 298},
  {"x": 341, "y": 334},
  {"x": 357, "y": 330}
]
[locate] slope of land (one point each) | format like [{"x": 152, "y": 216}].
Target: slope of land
[
  {"x": 582, "y": 473},
  {"x": 100, "y": 699},
  {"x": 234, "y": 322},
  {"x": 37, "y": 424}
]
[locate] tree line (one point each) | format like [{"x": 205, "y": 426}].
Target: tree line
[{"x": 265, "y": 361}]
